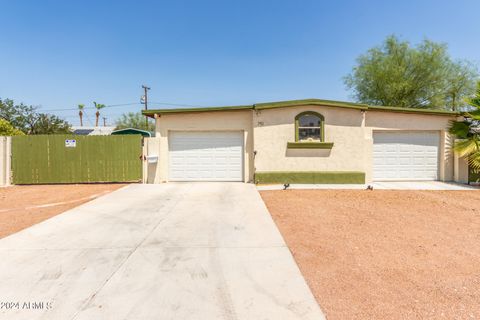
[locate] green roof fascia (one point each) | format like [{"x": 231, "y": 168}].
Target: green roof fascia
[
  {"x": 415, "y": 110},
  {"x": 305, "y": 102},
  {"x": 204, "y": 109}
]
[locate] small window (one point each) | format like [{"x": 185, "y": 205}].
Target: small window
[{"x": 309, "y": 127}]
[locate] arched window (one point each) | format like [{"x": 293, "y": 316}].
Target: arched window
[{"x": 309, "y": 127}]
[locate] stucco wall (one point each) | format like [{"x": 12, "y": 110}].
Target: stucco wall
[
  {"x": 461, "y": 169},
  {"x": 204, "y": 121},
  {"x": 350, "y": 130},
  {"x": 267, "y": 132},
  {"x": 151, "y": 147},
  {"x": 273, "y": 128}
]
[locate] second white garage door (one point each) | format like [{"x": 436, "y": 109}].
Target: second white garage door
[
  {"x": 206, "y": 156},
  {"x": 405, "y": 155}
]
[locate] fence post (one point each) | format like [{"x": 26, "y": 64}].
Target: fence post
[
  {"x": 5, "y": 160},
  {"x": 144, "y": 162}
]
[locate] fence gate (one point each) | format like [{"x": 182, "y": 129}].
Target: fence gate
[{"x": 76, "y": 159}]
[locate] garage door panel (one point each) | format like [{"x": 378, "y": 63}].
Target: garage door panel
[
  {"x": 421, "y": 161},
  {"x": 206, "y": 156},
  {"x": 403, "y": 155}
]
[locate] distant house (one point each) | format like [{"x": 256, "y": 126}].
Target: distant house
[
  {"x": 93, "y": 131},
  {"x": 144, "y": 133}
]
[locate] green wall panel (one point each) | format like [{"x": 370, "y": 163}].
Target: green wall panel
[
  {"x": 310, "y": 177},
  {"x": 46, "y": 159}
]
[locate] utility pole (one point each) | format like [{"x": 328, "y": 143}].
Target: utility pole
[
  {"x": 104, "y": 121},
  {"x": 145, "y": 102}
]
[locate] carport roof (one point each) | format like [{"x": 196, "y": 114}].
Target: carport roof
[{"x": 305, "y": 102}]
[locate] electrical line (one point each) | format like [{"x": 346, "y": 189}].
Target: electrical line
[
  {"x": 88, "y": 118},
  {"x": 125, "y": 104},
  {"x": 92, "y": 108},
  {"x": 113, "y": 115}
]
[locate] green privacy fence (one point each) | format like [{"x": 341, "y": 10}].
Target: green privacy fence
[{"x": 76, "y": 159}]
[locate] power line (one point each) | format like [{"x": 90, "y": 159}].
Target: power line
[
  {"x": 128, "y": 104},
  {"x": 89, "y": 120},
  {"x": 106, "y": 114},
  {"x": 92, "y": 108}
]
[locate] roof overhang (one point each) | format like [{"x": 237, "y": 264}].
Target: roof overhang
[{"x": 298, "y": 103}]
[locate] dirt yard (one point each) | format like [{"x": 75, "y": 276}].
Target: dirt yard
[
  {"x": 23, "y": 206},
  {"x": 385, "y": 254}
]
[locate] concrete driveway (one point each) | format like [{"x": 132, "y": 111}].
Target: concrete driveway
[{"x": 171, "y": 251}]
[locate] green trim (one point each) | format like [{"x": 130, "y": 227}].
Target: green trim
[
  {"x": 152, "y": 112},
  {"x": 309, "y": 102},
  {"x": 322, "y": 124},
  {"x": 305, "y": 102},
  {"x": 309, "y": 145},
  {"x": 310, "y": 177},
  {"x": 414, "y": 110}
]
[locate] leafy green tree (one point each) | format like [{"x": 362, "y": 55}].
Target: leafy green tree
[
  {"x": 29, "y": 121},
  {"x": 400, "y": 75},
  {"x": 98, "y": 106},
  {"x": 6, "y": 129},
  {"x": 20, "y": 116},
  {"x": 468, "y": 132},
  {"x": 134, "y": 120},
  {"x": 49, "y": 124}
]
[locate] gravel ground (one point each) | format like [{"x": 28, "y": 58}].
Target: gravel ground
[
  {"x": 385, "y": 254},
  {"x": 24, "y": 206}
]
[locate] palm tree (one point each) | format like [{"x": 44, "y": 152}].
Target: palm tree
[
  {"x": 80, "y": 113},
  {"x": 468, "y": 132},
  {"x": 98, "y": 106}
]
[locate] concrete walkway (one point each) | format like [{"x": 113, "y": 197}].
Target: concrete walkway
[{"x": 171, "y": 251}]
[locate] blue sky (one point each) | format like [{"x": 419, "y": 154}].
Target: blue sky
[{"x": 56, "y": 54}]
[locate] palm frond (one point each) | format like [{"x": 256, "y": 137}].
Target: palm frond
[
  {"x": 475, "y": 114},
  {"x": 466, "y": 147},
  {"x": 460, "y": 129},
  {"x": 474, "y": 160},
  {"x": 98, "y": 106}
]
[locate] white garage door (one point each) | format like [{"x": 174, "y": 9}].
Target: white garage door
[
  {"x": 206, "y": 156},
  {"x": 407, "y": 155}
]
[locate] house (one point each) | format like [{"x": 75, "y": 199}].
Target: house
[
  {"x": 92, "y": 131},
  {"x": 304, "y": 141}
]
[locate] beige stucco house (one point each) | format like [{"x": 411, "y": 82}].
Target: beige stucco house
[{"x": 303, "y": 141}]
